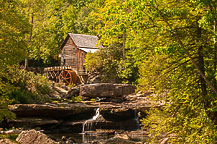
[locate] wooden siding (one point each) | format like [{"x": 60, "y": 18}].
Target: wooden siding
[{"x": 72, "y": 56}]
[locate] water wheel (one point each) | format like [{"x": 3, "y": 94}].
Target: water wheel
[{"x": 68, "y": 77}]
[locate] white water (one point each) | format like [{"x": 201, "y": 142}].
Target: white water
[
  {"x": 89, "y": 122},
  {"x": 136, "y": 118}
]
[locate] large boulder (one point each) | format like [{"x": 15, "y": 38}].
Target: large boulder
[
  {"x": 106, "y": 90},
  {"x": 34, "y": 137}
]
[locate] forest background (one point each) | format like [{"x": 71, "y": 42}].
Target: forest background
[{"x": 166, "y": 47}]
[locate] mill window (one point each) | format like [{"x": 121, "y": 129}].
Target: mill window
[{"x": 74, "y": 51}]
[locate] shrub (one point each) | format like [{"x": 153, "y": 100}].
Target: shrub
[{"x": 30, "y": 87}]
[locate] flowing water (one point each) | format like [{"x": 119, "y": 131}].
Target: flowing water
[
  {"x": 89, "y": 123},
  {"x": 89, "y": 133},
  {"x": 136, "y": 118}
]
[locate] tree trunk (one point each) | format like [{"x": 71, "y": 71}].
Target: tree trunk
[
  {"x": 201, "y": 62},
  {"x": 30, "y": 38},
  {"x": 26, "y": 63},
  {"x": 204, "y": 80},
  {"x": 124, "y": 40},
  {"x": 215, "y": 51}
]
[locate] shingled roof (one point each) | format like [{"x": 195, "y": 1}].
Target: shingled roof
[{"x": 87, "y": 43}]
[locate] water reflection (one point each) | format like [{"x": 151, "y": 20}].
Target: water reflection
[
  {"x": 92, "y": 137},
  {"x": 79, "y": 137}
]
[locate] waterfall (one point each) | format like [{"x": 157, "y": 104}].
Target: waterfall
[
  {"x": 90, "y": 121},
  {"x": 136, "y": 118}
]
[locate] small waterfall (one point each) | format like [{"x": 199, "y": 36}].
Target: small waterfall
[
  {"x": 89, "y": 123},
  {"x": 136, "y": 118}
]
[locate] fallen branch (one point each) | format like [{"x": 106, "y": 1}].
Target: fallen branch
[{"x": 11, "y": 132}]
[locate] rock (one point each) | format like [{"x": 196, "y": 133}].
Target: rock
[
  {"x": 138, "y": 135},
  {"x": 60, "y": 110},
  {"x": 93, "y": 77},
  {"x": 119, "y": 114},
  {"x": 164, "y": 141},
  {"x": 6, "y": 141},
  {"x": 116, "y": 141},
  {"x": 107, "y": 90},
  {"x": 57, "y": 92},
  {"x": 74, "y": 91},
  {"x": 34, "y": 137},
  {"x": 142, "y": 103},
  {"x": 32, "y": 122},
  {"x": 122, "y": 136}
]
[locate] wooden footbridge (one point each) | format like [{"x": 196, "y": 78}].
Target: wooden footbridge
[{"x": 65, "y": 74}]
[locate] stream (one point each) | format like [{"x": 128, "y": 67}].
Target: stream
[
  {"x": 115, "y": 117},
  {"x": 95, "y": 129}
]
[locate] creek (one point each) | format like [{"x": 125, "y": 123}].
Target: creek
[
  {"x": 116, "y": 115},
  {"x": 95, "y": 129}
]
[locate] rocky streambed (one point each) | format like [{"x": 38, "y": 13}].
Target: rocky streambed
[{"x": 116, "y": 110}]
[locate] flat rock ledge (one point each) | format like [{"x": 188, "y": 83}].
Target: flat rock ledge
[
  {"x": 103, "y": 90},
  {"x": 50, "y": 110},
  {"x": 34, "y": 137}
]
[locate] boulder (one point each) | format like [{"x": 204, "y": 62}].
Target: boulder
[
  {"x": 34, "y": 137},
  {"x": 122, "y": 136},
  {"x": 74, "y": 91},
  {"x": 106, "y": 90}
]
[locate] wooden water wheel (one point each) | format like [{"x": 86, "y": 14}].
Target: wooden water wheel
[{"x": 68, "y": 77}]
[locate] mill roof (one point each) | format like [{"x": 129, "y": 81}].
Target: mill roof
[{"x": 87, "y": 43}]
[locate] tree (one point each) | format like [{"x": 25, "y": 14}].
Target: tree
[
  {"x": 186, "y": 46},
  {"x": 51, "y": 21},
  {"x": 14, "y": 26},
  {"x": 174, "y": 41}
]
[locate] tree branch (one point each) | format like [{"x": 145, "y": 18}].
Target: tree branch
[{"x": 185, "y": 51}]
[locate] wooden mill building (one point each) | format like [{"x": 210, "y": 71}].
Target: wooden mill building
[
  {"x": 73, "y": 53},
  {"x": 75, "y": 48}
]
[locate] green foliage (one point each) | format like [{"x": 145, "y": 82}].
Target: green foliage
[
  {"x": 180, "y": 128},
  {"x": 122, "y": 53},
  {"x": 168, "y": 42},
  {"x": 76, "y": 99},
  {"x": 187, "y": 116},
  {"x": 51, "y": 21},
  {"x": 104, "y": 62},
  {"x": 5, "y": 114},
  {"x": 9, "y": 136},
  {"x": 183, "y": 118},
  {"x": 30, "y": 88},
  {"x": 14, "y": 26}
]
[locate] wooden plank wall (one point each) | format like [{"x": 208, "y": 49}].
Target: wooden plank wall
[{"x": 72, "y": 56}]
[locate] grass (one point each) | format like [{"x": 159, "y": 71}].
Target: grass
[{"x": 9, "y": 136}]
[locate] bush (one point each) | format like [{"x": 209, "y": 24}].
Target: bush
[
  {"x": 30, "y": 87},
  {"x": 183, "y": 118}
]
